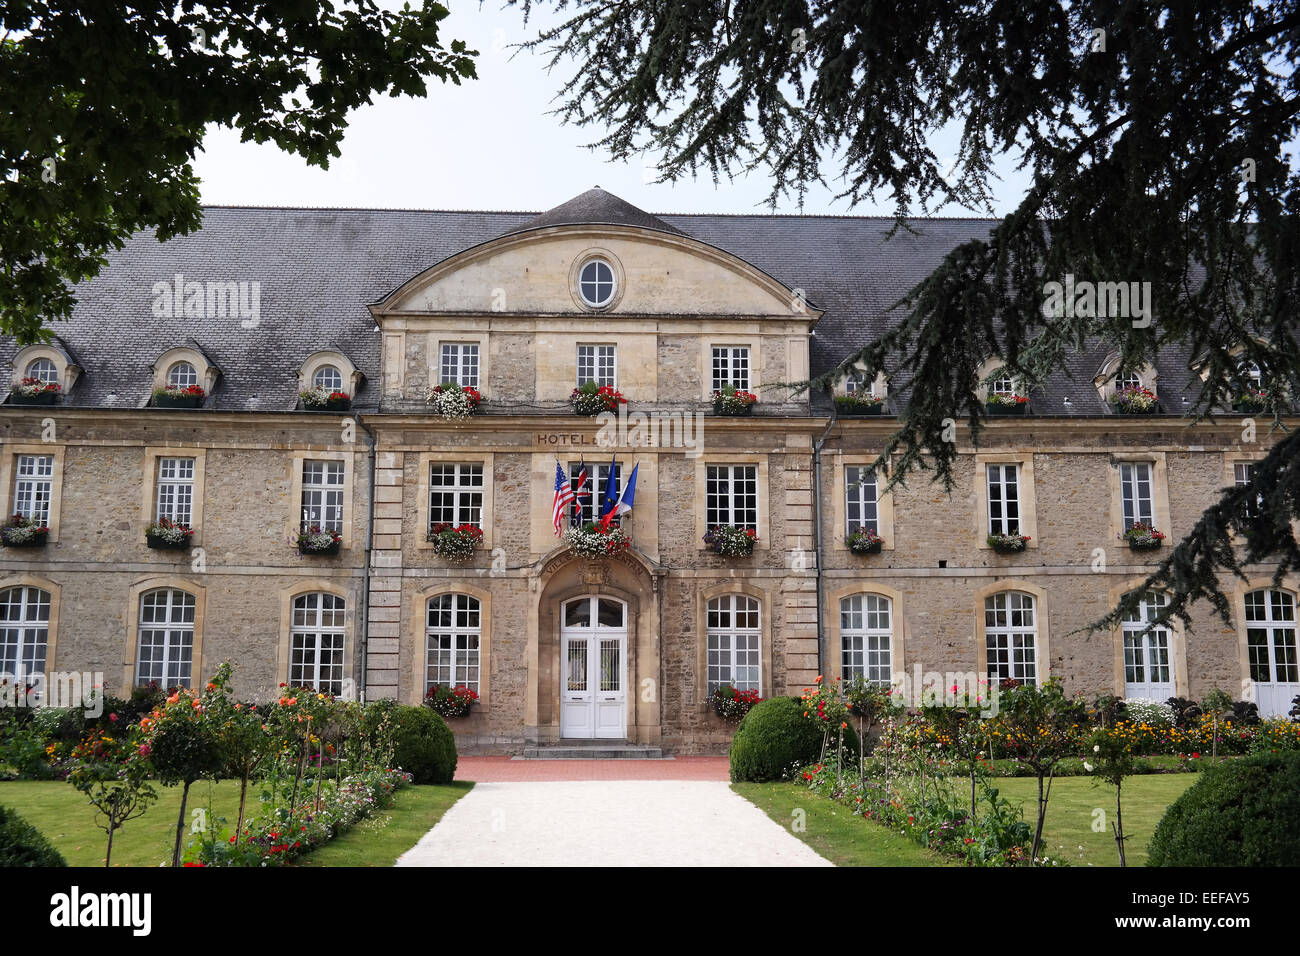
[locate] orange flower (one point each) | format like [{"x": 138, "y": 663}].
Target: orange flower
[{"x": 174, "y": 697}]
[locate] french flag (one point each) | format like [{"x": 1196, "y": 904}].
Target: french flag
[{"x": 625, "y": 500}]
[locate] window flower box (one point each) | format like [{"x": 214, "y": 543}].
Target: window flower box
[
  {"x": 1143, "y": 537},
  {"x": 454, "y": 402},
  {"x": 1008, "y": 543},
  {"x": 316, "y": 540},
  {"x": 731, "y": 541},
  {"x": 1252, "y": 401},
  {"x": 172, "y": 397},
  {"x": 1135, "y": 400},
  {"x": 167, "y": 535},
  {"x": 22, "y": 532},
  {"x": 318, "y": 399},
  {"x": 734, "y": 401},
  {"x": 731, "y": 704},
  {"x": 592, "y": 541},
  {"x": 592, "y": 399},
  {"x": 864, "y": 541},
  {"x": 857, "y": 406},
  {"x": 1000, "y": 404},
  {"x": 450, "y": 702},
  {"x": 35, "y": 391},
  {"x": 455, "y": 542}
]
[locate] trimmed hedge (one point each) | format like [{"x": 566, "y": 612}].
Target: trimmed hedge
[
  {"x": 775, "y": 738},
  {"x": 1240, "y": 813},
  {"x": 423, "y": 745},
  {"x": 21, "y": 844}
]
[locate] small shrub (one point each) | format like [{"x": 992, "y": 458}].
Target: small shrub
[
  {"x": 1238, "y": 813},
  {"x": 21, "y": 844},
  {"x": 1245, "y": 713},
  {"x": 424, "y": 745},
  {"x": 1187, "y": 713},
  {"x": 775, "y": 737}
]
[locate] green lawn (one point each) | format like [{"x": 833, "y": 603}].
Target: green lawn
[
  {"x": 64, "y": 816},
  {"x": 1070, "y": 814},
  {"x": 833, "y": 831},
  {"x": 1068, "y": 836}
]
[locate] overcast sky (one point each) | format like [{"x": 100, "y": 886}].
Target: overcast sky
[{"x": 486, "y": 144}]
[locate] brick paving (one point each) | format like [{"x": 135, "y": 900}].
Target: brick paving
[{"x": 501, "y": 769}]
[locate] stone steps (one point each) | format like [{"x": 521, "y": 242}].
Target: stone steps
[{"x": 592, "y": 750}]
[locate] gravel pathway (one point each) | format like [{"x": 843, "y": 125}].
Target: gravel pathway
[{"x": 607, "y": 823}]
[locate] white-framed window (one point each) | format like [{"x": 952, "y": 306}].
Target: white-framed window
[
  {"x": 1004, "y": 384},
  {"x": 1148, "y": 661},
  {"x": 1004, "y": 498},
  {"x": 587, "y": 506},
  {"x": 1011, "y": 637},
  {"x": 861, "y": 505},
  {"x": 166, "y": 638},
  {"x": 1243, "y": 473},
  {"x": 730, "y": 367},
  {"x": 458, "y": 363},
  {"x": 596, "y": 283},
  {"x": 731, "y": 496},
  {"x": 597, "y": 363},
  {"x": 322, "y": 494},
  {"x": 45, "y": 370},
  {"x": 1271, "y": 637},
  {"x": 455, "y": 494},
  {"x": 453, "y": 631},
  {"x": 1135, "y": 482},
  {"x": 1125, "y": 380},
  {"x": 316, "y": 643},
  {"x": 24, "y": 633},
  {"x": 1250, "y": 371},
  {"x": 175, "y": 490},
  {"x": 182, "y": 375},
  {"x": 734, "y": 635},
  {"x": 33, "y": 487},
  {"x": 328, "y": 377},
  {"x": 866, "y": 638}
]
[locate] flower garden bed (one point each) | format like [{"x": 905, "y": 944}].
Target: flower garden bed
[
  {"x": 317, "y": 399},
  {"x": 592, "y": 399},
  {"x": 1143, "y": 537},
  {"x": 865, "y": 541},
  {"x": 1136, "y": 400},
  {"x": 167, "y": 535},
  {"x": 998, "y": 404},
  {"x": 732, "y": 705},
  {"x": 451, "y": 703},
  {"x": 733, "y": 402},
  {"x": 1008, "y": 543},
  {"x": 731, "y": 541},
  {"x": 173, "y": 397},
  {"x": 594, "y": 542}
]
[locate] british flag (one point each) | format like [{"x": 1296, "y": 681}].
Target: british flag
[{"x": 563, "y": 498}]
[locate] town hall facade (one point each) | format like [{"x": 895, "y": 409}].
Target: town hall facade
[{"x": 381, "y": 306}]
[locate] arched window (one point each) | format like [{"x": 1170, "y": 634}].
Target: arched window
[
  {"x": 452, "y": 636},
  {"x": 1011, "y": 637},
  {"x": 866, "y": 638},
  {"x": 182, "y": 375},
  {"x": 166, "y": 638},
  {"x": 45, "y": 370},
  {"x": 1250, "y": 371},
  {"x": 1125, "y": 380},
  {"x": 329, "y": 378},
  {"x": 24, "y": 632},
  {"x": 1148, "y": 659},
  {"x": 734, "y": 635},
  {"x": 316, "y": 643},
  {"x": 1271, "y": 650},
  {"x": 1004, "y": 384}
]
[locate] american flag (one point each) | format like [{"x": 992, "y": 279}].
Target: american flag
[{"x": 563, "y": 498}]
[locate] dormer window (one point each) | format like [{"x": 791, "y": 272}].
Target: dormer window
[
  {"x": 182, "y": 375},
  {"x": 1003, "y": 385},
  {"x": 1125, "y": 380},
  {"x": 43, "y": 370},
  {"x": 596, "y": 283},
  {"x": 1251, "y": 372},
  {"x": 329, "y": 378}
]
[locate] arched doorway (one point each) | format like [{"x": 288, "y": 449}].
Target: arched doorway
[
  {"x": 593, "y": 668},
  {"x": 594, "y": 651}
]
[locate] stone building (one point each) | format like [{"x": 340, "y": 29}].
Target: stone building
[{"x": 382, "y": 305}]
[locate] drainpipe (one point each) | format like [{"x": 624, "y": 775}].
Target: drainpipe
[
  {"x": 817, "y": 531},
  {"x": 365, "y": 589}
]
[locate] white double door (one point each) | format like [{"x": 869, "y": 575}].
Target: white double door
[{"x": 593, "y": 668}]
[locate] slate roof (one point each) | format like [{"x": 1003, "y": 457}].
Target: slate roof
[{"x": 318, "y": 269}]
